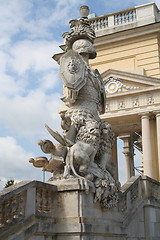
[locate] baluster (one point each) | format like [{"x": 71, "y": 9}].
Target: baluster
[
  {"x": 92, "y": 25},
  {"x": 134, "y": 15},
  {"x": 105, "y": 22},
  {"x": 120, "y": 18},
  {"x": 15, "y": 208},
  {"x": 21, "y": 205},
  {"x": 102, "y": 23},
  {"x": 128, "y": 17},
  {"x": 123, "y": 18},
  {"x": 39, "y": 200},
  {"x": 46, "y": 201},
  {"x": 95, "y": 24},
  {"x": 1, "y": 215},
  {"x": 115, "y": 20},
  {"x": 98, "y": 24},
  {"x": 8, "y": 210},
  {"x": 50, "y": 200}
]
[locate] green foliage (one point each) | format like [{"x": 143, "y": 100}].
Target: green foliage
[{"x": 9, "y": 183}]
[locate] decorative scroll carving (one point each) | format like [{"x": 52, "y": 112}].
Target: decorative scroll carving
[{"x": 114, "y": 85}]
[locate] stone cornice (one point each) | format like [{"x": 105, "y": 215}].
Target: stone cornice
[
  {"x": 131, "y": 77},
  {"x": 132, "y": 93}
]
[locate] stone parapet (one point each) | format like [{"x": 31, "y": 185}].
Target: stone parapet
[{"x": 125, "y": 19}]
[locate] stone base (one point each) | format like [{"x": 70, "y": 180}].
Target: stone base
[{"x": 78, "y": 215}]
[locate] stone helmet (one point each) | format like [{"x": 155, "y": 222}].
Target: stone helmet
[{"x": 84, "y": 46}]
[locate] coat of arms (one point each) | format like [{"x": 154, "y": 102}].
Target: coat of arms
[{"x": 73, "y": 70}]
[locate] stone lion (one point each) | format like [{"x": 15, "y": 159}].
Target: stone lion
[
  {"x": 104, "y": 154},
  {"x": 82, "y": 154}
]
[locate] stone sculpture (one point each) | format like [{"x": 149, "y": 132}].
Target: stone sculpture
[{"x": 84, "y": 150}]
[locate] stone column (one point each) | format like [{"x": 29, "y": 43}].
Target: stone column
[
  {"x": 128, "y": 152},
  {"x": 158, "y": 138},
  {"x": 114, "y": 156},
  {"x": 147, "y": 145}
]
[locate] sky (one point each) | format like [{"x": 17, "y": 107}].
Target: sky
[{"x": 30, "y": 86}]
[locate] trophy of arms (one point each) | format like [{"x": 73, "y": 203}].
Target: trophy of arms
[{"x": 78, "y": 152}]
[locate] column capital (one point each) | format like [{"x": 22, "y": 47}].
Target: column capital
[
  {"x": 124, "y": 136},
  {"x": 145, "y": 115},
  {"x": 157, "y": 113}
]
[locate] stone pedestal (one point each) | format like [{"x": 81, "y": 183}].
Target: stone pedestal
[{"x": 79, "y": 217}]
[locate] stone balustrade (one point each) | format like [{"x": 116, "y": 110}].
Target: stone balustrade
[
  {"x": 36, "y": 198},
  {"x": 125, "y": 17},
  {"x": 99, "y": 23},
  {"x": 140, "y": 15},
  {"x": 23, "y": 200},
  {"x": 136, "y": 192},
  {"x": 12, "y": 209}
]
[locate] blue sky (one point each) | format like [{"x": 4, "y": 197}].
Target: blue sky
[{"x": 30, "y": 87}]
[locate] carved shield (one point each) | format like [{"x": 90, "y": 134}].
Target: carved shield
[{"x": 73, "y": 70}]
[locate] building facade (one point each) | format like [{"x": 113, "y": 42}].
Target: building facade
[{"x": 128, "y": 58}]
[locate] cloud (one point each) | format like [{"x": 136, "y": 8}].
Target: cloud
[
  {"x": 33, "y": 55},
  {"x": 26, "y": 116},
  {"x": 49, "y": 80},
  {"x": 14, "y": 163},
  {"x": 35, "y": 19},
  {"x": 9, "y": 86}
]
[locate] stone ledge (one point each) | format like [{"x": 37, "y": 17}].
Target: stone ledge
[
  {"x": 72, "y": 184},
  {"x": 22, "y": 186}
]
